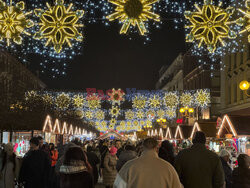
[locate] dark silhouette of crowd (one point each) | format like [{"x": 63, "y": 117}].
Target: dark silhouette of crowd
[{"x": 115, "y": 163}]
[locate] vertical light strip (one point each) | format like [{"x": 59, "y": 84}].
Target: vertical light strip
[
  {"x": 57, "y": 126},
  {"x": 47, "y": 122}
]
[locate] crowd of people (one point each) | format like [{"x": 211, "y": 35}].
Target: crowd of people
[{"x": 145, "y": 164}]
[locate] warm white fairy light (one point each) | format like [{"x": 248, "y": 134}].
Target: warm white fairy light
[
  {"x": 47, "y": 122},
  {"x": 57, "y": 128},
  {"x": 227, "y": 119},
  {"x": 195, "y": 127}
]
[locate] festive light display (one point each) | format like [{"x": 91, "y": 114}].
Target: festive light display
[
  {"x": 59, "y": 25},
  {"x": 133, "y": 12},
  {"x": 93, "y": 102},
  {"x": 62, "y": 101},
  {"x": 140, "y": 114},
  {"x": 100, "y": 115},
  {"x": 202, "y": 98},
  {"x": 14, "y": 22},
  {"x": 78, "y": 101},
  {"x": 227, "y": 119},
  {"x": 114, "y": 111},
  {"x": 48, "y": 100},
  {"x": 129, "y": 115},
  {"x": 113, "y": 121},
  {"x": 160, "y": 113},
  {"x": 171, "y": 100},
  {"x": 171, "y": 113},
  {"x": 116, "y": 96},
  {"x": 154, "y": 102},
  {"x": 186, "y": 99},
  {"x": 210, "y": 25},
  {"x": 139, "y": 102},
  {"x": 31, "y": 95},
  {"x": 246, "y": 20},
  {"x": 89, "y": 115}
]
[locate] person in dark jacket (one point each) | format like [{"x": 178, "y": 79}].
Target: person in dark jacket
[
  {"x": 75, "y": 173},
  {"x": 35, "y": 167},
  {"x": 118, "y": 145},
  {"x": 93, "y": 160},
  {"x": 225, "y": 157},
  {"x": 125, "y": 156},
  {"x": 166, "y": 152},
  {"x": 198, "y": 167},
  {"x": 241, "y": 174}
]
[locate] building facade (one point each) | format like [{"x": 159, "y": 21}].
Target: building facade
[{"x": 236, "y": 69}]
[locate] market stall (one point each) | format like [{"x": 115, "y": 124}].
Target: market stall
[{"x": 111, "y": 134}]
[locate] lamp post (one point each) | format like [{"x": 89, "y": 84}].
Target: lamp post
[
  {"x": 244, "y": 86},
  {"x": 186, "y": 112}
]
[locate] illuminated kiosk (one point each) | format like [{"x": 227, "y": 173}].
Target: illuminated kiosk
[
  {"x": 234, "y": 132},
  {"x": 112, "y": 134}
]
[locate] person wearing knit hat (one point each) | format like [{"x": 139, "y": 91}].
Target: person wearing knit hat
[
  {"x": 225, "y": 157},
  {"x": 109, "y": 171}
]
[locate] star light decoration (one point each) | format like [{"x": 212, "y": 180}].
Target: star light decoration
[
  {"x": 154, "y": 102},
  {"x": 99, "y": 115},
  {"x": 160, "y": 113},
  {"x": 93, "y": 102},
  {"x": 210, "y": 25},
  {"x": 48, "y": 100},
  {"x": 114, "y": 111},
  {"x": 139, "y": 102},
  {"x": 31, "y": 95},
  {"x": 171, "y": 113},
  {"x": 129, "y": 115},
  {"x": 59, "y": 25},
  {"x": 113, "y": 121},
  {"x": 202, "y": 98},
  {"x": 14, "y": 22},
  {"x": 140, "y": 114},
  {"x": 78, "y": 101},
  {"x": 171, "y": 100},
  {"x": 62, "y": 101},
  {"x": 89, "y": 114},
  {"x": 133, "y": 12},
  {"x": 245, "y": 21},
  {"x": 116, "y": 96},
  {"x": 186, "y": 99}
]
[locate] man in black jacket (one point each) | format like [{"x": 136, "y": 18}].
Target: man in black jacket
[{"x": 35, "y": 168}]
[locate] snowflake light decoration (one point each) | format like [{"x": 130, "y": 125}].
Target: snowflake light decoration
[
  {"x": 186, "y": 99},
  {"x": 93, "y": 102},
  {"x": 202, "y": 98},
  {"x": 47, "y": 99},
  {"x": 139, "y": 102},
  {"x": 210, "y": 25},
  {"x": 31, "y": 95},
  {"x": 154, "y": 102},
  {"x": 140, "y": 114},
  {"x": 89, "y": 114},
  {"x": 116, "y": 96},
  {"x": 133, "y": 12},
  {"x": 160, "y": 113},
  {"x": 14, "y": 22},
  {"x": 114, "y": 111},
  {"x": 59, "y": 25},
  {"x": 150, "y": 114},
  {"x": 171, "y": 100},
  {"x": 171, "y": 113},
  {"x": 129, "y": 115},
  {"x": 113, "y": 121},
  {"x": 99, "y": 115},
  {"x": 78, "y": 101},
  {"x": 62, "y": 101},
  {"x": 246, "y": 20}
]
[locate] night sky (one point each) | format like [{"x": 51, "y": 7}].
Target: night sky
[{"x": 111, "y": 60}]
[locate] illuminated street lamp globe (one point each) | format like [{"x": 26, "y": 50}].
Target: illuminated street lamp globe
[{"x": 244, "y": 85}]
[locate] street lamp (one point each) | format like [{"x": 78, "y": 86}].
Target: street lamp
[
  {"x": 186, "y": 111},
  {"x": 161, "y": 120},
  {"x": 244, "y": 86}
]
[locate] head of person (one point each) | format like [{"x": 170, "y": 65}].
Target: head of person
[
  {"x": 89, "y": 148},
  {"x": 129, "y": 147},
  {"x": 225, "y": 155},
  {"x": 52, "y": 146},
  {"x": 74, "y": 155},
  {"x": 113, "y": 150},
  {"x": 150, "y": 144},
  {"x": 243, "y": 161},
  {"x": 199, "y": 138},
  {"x": 118, "y": 144},
  {"x": 34, "y": 143},
  {"x": 40, "y": 141}
]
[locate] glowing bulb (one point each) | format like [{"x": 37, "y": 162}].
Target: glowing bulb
[{"x": 244, "y": 85}]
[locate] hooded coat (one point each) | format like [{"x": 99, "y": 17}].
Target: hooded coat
[
  {"x": 125, "y": 156},
  {"x": 109, "y": 171}
]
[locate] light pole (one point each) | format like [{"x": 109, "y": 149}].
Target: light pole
[
  {"x": 186, "y": 112},
  {"x": 244, "y": 86}
]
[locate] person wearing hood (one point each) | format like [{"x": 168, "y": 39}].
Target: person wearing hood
[
  {"x": 126, "y": 156},
  {"x": 109, "y": 171},
  {"x": 9, "y": 167},
  {"x": 225, "y": 158},
  {"x": 75, "y": 173},
  {"x": 166, "y": 152}
]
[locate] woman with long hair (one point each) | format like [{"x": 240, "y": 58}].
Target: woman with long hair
[
  {"x": 166, "y": 152},
  {"x": 9, "y": 167},
  {"x": 75, "y": 171}
]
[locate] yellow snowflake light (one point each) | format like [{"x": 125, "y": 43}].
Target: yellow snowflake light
[
  {"x": 78, "y": 101},
  {"x": 210, "y": 25},
  {"x": 202, "y": 98},
  {"x": 93, "y": 102},
  {"x": 14, "y": 22},
  {"x": 89, "y": 114},
  {"x": 31, "y": 95},
  {"x": 59, "y": 25},
  {"x": 155, "y": 102},
  {"x": 129, "y": 115},
  {"x": 100, "y": 115},
  {"x": 140, "y": 114},
  {"x": 160, "y": 113},
  {"x": 133, "y": 12},
  {"x": 142, "y": 123},
  {"x": 123, "y": 124},
  {"x": 150, "y": 114},
  {"x": 139, "y": 102},
  {"x": 62, "y": 101},
  {"x": 246, "y": 20},
  {"x": 186, "y": 99},
  {"x": 113, "y": 121},
  {"x": 171, "y": 100},
  {"x": 103, "y": 123},
  {"x": 48, "y": 100},
  {"x": 114, "y": 111},
  {"x": 171, "y": 113}
]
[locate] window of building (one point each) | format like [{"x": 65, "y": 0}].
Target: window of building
[{"x": 229, "y": 94}]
